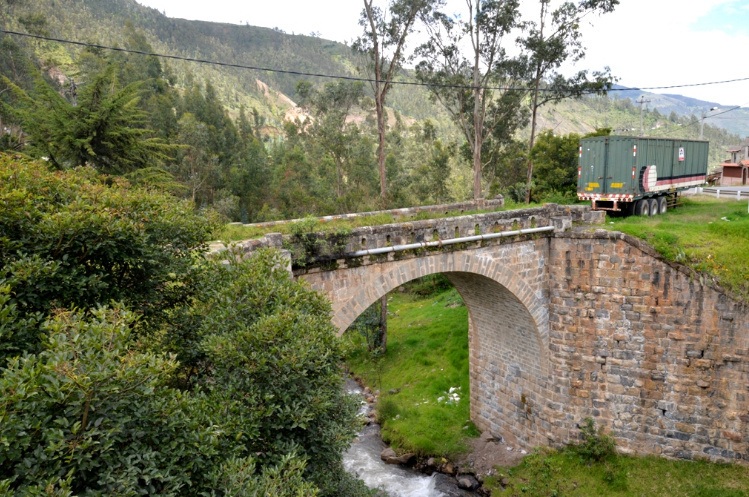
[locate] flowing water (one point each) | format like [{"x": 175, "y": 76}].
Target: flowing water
[{"x": 363, "y": 460}]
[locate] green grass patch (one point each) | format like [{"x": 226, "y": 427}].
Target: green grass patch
[
  {"x": 709, "y": 235},
  {"x": 237, "y": 232},
  {"x": 564, "y": 473},
  {"x": 427, "y": 356}
]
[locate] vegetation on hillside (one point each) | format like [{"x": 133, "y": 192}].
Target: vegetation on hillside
[
  {"x": 222, "y": 141},
  {"x": 132, "y": 365}
]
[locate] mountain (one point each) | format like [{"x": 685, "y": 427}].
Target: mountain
[
  {"x": 259, "y": 68},
  {"x": 732, "y": 118}
]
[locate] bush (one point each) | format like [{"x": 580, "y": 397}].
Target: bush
[
  {"x": 80, "y": 239},
  {"x": 596, "y": 445},
  {"x": 92, "y": 414},
  {"x": 219, "y": 380},
  {"x": 273, "y": 359}
]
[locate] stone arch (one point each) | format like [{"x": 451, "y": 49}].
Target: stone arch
[{"x": 508, "y": 326}]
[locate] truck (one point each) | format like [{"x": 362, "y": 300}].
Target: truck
[{"x": 638, "y": 175}]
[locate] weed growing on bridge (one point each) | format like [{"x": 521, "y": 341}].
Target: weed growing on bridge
[
  {"x": 595, "y": 446},
  {"x": 308, "y": 246}
]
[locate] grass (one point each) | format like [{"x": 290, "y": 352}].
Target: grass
[
  {"x": 709, "y": 235},
  {"x": 238, "y": 232},
  {"x": 564, "y": 473},
  {"x": 427, "y": 356}
]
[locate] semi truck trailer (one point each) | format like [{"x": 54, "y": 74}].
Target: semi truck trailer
[{"x": 637, "y": 175}]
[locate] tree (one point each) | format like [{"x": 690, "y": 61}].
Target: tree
[
  {"x": 104, "y": 128},
  {"x": 384, "y": 42},
  {"x": 195, "y": 166},
  {"x": 476, "y": 89},
  {"x": 330, "y": 129},
  {"x": 429, "y": 157},
  {"x": 249, "y": 175},
  {"x": 556, "y": 160},
  {"x": 552, "y": 41}
]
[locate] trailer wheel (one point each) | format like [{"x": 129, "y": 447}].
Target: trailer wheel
[
  {"x": 642, "y": 207},
  {"x": 654, "y": 207},
  {"x": 663, "y": 205}
]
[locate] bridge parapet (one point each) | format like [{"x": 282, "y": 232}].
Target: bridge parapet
[
  {"x": 560, "y": 217},
  {"x": 310, "y": 251}
]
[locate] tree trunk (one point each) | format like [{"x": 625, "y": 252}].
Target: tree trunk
[
  {"x": 382, "y": 338},
  {"x": 478, "y": 114},
  {"x": 380, "y": 107},
  {"x": 531, "y": 142}
]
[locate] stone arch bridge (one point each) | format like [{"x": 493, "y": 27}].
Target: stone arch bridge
[{"x": 566, "y": 322}]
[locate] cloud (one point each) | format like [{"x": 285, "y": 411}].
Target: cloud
[{"x": 651, "y": 43}]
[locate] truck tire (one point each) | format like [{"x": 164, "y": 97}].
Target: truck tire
[
  {"x": 642, "y": 207},
  {"x": 663, "y": 205},
  {"x": 654, "y": 211}
]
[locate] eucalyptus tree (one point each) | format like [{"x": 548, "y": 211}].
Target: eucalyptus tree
[
  {"x": 331, "y": 108},
  {"x": 475, "y": 84},
  {"x": 550, "y": 42},
  {"x": 384, "y": 42}
]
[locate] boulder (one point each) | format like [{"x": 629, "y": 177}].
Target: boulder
[
  {"x": 390, "y": 457},
  {"x": 468, "y": 482}
]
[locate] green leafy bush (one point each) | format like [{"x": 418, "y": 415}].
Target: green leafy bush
[
  {"x": 275, "y": 360},
  {"x": 199, "y": 379},
  {"x": 92, "y": 414},
  {"x": 595, "y": 445},
  {"x": 80, "y": 239}
]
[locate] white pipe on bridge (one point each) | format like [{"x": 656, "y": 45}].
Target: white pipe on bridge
[{"x": 450, "y": 241}]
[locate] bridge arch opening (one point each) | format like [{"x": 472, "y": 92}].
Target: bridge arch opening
[{"x": 507, "y": 333}]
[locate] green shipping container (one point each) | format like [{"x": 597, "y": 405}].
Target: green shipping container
[{"x": 638, "y": 175}]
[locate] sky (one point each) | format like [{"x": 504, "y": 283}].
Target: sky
[{"x": 646, "y": 43}]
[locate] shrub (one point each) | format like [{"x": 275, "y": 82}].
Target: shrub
[
  {"x": 274, "y": 361},
  {"x": 596, "y": 445},
  {"x": 80, "y": 239},
  {"x": 95, "y": 402},
  {"x": 92, "y": 414}
]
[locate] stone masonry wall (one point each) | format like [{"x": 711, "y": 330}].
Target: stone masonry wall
[
  {"x": 504, "y": 286},
  {"x": 646, "y": 349}
]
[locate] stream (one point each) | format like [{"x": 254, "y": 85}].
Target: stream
[{"x": 362, "y": 459}]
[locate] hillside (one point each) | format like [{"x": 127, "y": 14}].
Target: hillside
[
  {"x": 729, "y": 117},
  {"x": 272, "y": 92}
]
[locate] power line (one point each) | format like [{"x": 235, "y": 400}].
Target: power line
[{"x": 329, "y": 76}]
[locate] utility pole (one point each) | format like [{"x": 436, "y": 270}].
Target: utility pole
[
  {"x": 642, "y": 102},
  {"x": 702, "y": 121}
]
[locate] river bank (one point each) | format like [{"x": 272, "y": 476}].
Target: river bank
[{"x": 430, "y": 477}]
